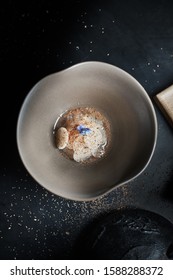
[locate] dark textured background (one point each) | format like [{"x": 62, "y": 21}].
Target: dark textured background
[{"x": 38, "y": 38}]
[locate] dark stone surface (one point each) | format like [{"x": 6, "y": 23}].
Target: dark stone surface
[
  {"x": 130, "y": 234},
  {"x": 42, "y": 37}
]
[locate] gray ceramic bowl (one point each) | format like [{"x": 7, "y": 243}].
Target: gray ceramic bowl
[{"x": 133, "y": 126}]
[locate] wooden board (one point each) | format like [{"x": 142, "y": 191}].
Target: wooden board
[{"x": 164, "y": 100}]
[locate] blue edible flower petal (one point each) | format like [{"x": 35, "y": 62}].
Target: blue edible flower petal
[{"x": 83, "y": 130}]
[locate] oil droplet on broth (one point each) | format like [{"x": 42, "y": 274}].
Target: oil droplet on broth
[{"x": 82, "y": 134}]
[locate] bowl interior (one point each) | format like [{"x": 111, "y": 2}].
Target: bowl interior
[{"x": 122, "y": 100}]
